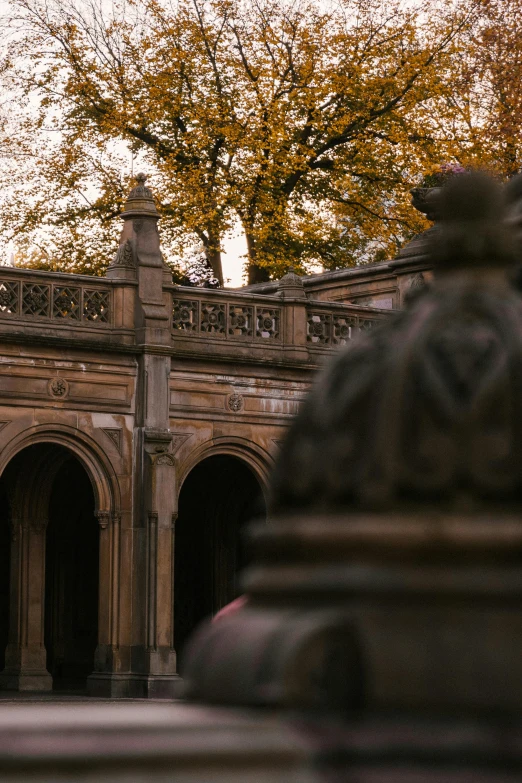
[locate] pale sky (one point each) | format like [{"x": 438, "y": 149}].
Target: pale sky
[{"x": 234, "y": 244}]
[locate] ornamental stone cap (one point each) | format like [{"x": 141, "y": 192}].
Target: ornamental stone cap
[
  {"x": 290, "y": 286},
  {"x": 425, "y": 410},
  {"x": 140, "y": 202},
  {"x": 290, "y": 279}
]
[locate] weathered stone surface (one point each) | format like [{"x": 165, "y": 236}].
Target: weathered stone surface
[{"x": 146, "y": 743}]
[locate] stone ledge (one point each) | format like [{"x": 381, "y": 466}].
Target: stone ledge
[
  {"x": 147, "y": 742},
  {"x": 135, "y": 686}
]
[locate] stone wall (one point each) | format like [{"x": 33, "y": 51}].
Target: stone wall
[{"x": 140, "y": 381}]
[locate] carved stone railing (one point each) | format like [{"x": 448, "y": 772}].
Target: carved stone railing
[
  {"x": 54, "y": 297},
  {"x": 330, "y": 325},
  {"x": 227, "y": 316},
  {"x": 234, "y": 323},
  {"x": 264, "y": 320}
]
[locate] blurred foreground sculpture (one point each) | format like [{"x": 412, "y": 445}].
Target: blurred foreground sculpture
[{"x": 385, "y": 595}]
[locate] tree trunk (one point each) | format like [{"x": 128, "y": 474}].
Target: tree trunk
[
  {"x": 256, "y": 274},
  {"x": 212, "y": 247},
  {"x": 214, "y": 259}
]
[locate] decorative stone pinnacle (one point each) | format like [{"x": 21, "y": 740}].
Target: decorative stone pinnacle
[
  {"x": 291, "y": 285},
  {"x": 291, "y": 278},
  {"x": 140, "y": 201}
]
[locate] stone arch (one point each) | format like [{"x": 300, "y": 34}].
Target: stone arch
[
  {"x": 222, "y": 489},
  {"x": 35, "y": 458},
  {"x": 30, "y": 489},
  {"x": 99, "y": 469},
  {"x": 258, "y": 459}
]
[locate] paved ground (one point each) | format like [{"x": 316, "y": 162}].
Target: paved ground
[{"x": 67, "y": 697}]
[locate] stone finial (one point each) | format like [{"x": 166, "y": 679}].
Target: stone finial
[
  {"x": 291, "y": 278},
  {"x": 140, "y": 201},
  {"x": 291, "y": 285},
  {"x": 139, "y": 245}
]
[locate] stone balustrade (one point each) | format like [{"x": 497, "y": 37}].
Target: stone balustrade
[
  {"x": 225, "y": 315},
  {"x": 29, "y": 294},
  {"x": 263, "y": 320},
  {"x": 203, "y": 320},
  {"x": 329, "y": 325}
]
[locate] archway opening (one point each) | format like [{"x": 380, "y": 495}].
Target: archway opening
[
  {"x": 71, "y": 578},
  {"x": 217, "y": 498},
  {"x": 47, "y": 518}
]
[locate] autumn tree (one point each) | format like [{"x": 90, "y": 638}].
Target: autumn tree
[
  {"x": 485, "y": 107},
  {"x": 305, "y": 121},
  {"x": 338, "y": 125},
  {"x": 93, "y": 101}
]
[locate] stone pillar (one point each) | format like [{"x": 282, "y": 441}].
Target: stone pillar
[
  {"x": 25, "y": 657},
  {"x": 149, "y": 669},
  {"x": 106, "y": 651},
  {"x": 291, "y": 290},
  {"x": 159, "y": 498}
]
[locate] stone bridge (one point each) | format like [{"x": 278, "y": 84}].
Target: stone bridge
[{"x": 138, "y": 425}]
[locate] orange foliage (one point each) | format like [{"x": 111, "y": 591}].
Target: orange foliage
[{"x": 306, "y": 122}]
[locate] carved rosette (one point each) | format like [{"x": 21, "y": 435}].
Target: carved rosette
[
  {"x": 58, "y": 387},
  {"x": 267, "y": 323},
  {"x": 185, "y": 315},
  {"x": 319, "y": 328},
  {"x": 212, "y": 318},
  {"x": 66, "y": 302},
  {"x": 343, "y": 329},
  {"x": 9, "y": 297},
  {"x": 240, "y": 320},
  {"x": 35, "y": 299},
  {"x": 235, "y": 402},
  {"x": 96, "y": 305}
]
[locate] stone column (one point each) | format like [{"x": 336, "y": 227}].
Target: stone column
[
  {"x": 291, "y": 290},
  {"x": 104, "y": 655},
  {"x": 25, "y": 657},
  {"x": 149, "y": 668},
  {"x": 157, "y": 565}
]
